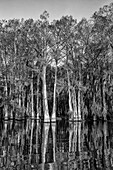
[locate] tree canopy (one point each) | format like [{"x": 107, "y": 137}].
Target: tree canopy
[{"x": 58, "y": 67}]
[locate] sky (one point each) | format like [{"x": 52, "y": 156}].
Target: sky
[{"x": 10, "y": 9}]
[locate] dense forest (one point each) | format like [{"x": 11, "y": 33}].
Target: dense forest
[{"x": 63, "y": 68}]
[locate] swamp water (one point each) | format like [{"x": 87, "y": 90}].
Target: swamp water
[{"x": 32, "y": 145}]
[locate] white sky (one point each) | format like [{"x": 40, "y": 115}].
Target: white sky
[{"x": 56, "y": 8}]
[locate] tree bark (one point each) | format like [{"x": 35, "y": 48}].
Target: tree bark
[
  {"x": 38, "y": 97},
  {"x": 104, "y": 102},
  {"x": 23, "y": 102},
  {"x": 6, "y": 96},
  {"x": 69, "y": 91},
  {"x": 74, "y": 104},
  {"x": 6, "y": 84},
  {"x": 79, "y": 94},
  {"x": 45, "y": 101},
  {"x": 79, "y": 105},
  {"x": 54, "y": 96},
  {"x": 32, "y": 97},
  {"x": 19, "y": 96}
]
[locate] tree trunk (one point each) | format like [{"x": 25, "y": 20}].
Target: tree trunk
[
  {"x": 94, "y": 111},
  {"x": 18, "y": 138},
  {"x": 104, "y": 103},
  {"x": 75, "y": 104},
  {"x": 23, "y": 102},
  {"x": 19, "y": 96},
  {"x": 37, "y": 97},
  {"x": 79, "y": 94},
  {"x": 6, "y": 96},
  {"x": 11, "y": 102},
  {"x": 45, "y": 102},
  {"x": 79, "y": 105},
  {"x": 54, "y": 96},
  {"x": 27, "y": 102},
  {"x": 6, "y": 84},
  {"x": 32, "y": 97},
  {"x": 69, "y": 91}
]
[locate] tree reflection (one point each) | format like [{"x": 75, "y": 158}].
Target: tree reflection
[
  {"x": 54, "y": 141},
  {"x": 44, "y": 141},
  {"x": 31, "y": 140},
  {"x": 75, "y": 144},
  {"x": 61, "y": 145},
  {"x": 48, "y": 146}
]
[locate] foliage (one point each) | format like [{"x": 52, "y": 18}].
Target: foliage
[{"x": 84, "y": 49}]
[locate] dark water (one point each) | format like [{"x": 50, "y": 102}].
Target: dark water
[{"x": 56, "y": 146}]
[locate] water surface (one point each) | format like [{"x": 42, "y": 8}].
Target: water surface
[{"x": 27, "y": 144}]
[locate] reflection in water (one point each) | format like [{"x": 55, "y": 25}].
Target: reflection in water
[
  {"x": 75, "y": 144},
  {"x": 55, "y": 146}
]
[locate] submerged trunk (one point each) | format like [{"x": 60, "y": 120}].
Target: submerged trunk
[
  {"x": 54, "y": 96},
  {"x": 45, "y": 102}
]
